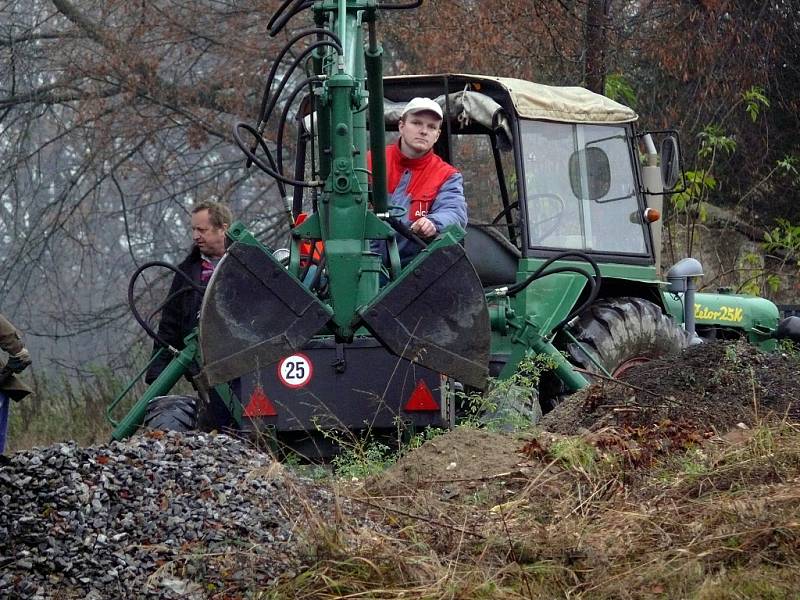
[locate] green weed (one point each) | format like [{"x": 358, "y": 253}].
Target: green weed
[
  {"x": 693, "y": 464},
  {"x": 731, "y": 355},
  {"x": 762, "y": 443},
  {"x": 363, "y": 458},
  {"x": 474, "y": 406},
  {"x": 427, "y": 434},
  {"x": 575, "y": 453},
  {"x": 513, "y": 404},
  {"x": 789, "y": 348}
]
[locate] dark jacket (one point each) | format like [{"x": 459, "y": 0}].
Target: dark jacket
[
  {"x": 180, "y": 314},
  {"x": 11, "y": 342}
]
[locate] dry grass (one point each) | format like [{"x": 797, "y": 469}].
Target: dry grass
[
  {"x": 720, "y": 520},
  {"x": 62, "y": 409}
]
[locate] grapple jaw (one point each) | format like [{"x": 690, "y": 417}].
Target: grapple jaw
[
  {"x": 435, "y": 314},
  {"x": 253, "y": 313}
]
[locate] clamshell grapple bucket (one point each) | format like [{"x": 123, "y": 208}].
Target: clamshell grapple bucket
[
  {"x": 255, "y": 312},
  {"x": 436, "y": 315}
]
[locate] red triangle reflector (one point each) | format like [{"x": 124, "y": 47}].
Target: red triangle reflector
[
  {"x": 259, "y": 405},
  {"x": 421, "y": 399}
]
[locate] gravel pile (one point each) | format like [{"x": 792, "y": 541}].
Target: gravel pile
[{"x": 158, "y": 516}]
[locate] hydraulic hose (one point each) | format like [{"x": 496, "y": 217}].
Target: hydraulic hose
[
  {"x": 279, "y": 21},
  {"x": 594, "y": 281},
  {"x": 264, "y": 110},
  {"x": 278, "y": 12},
  {"x": 285, "y": 116},
  {"x": 274, "y": 70},
  {"x": 518, "y": 287},
  {"x": 258, "y": 162},
  {"x": 272, "y": 163},
  {"x": 299, "y": 167},
  {"x": 306, "y": 51},
  {"x": 335, "y": 43},
  {"x": 390, "y": 6},
  {"x": 594, "y": 290},
  {"x": 132, "y": 302},
  {"x": 314, "y": 285}
]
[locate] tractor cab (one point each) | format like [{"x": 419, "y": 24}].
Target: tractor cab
[{"x": 546, "y": 170}]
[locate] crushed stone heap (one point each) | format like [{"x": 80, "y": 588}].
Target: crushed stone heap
[{"x": 149, "y": 517}]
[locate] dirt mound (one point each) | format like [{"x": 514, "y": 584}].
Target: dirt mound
[
  {"x": 446, "y": 463},
  {"x": 647, "y": 498},
  {"x": 666, "y": 405},
  {"x": 711, "y": 387}
]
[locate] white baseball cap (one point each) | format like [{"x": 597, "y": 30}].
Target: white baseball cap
[{"x": 421, "y": 105}]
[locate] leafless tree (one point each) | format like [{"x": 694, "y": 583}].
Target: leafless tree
[{"x": 115, "y": 117}]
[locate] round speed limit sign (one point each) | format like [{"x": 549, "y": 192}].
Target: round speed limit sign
[{"x": 295, "y": 371}]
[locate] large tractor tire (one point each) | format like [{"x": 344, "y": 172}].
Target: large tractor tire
[
  {"x": 623, "y": 332},
  {"x": 171, "y": 413}
]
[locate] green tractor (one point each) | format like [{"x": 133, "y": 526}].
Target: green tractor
[{"x": 560, "y": 256}]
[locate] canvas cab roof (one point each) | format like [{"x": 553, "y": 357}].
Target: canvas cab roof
[{"x": 552, "y": 103}]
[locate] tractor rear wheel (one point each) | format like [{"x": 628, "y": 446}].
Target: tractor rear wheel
[
  {"x": 623, "y": 332},
  {"x": 171, "y": 413}
]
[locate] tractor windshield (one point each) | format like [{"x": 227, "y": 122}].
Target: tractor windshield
[{"x": 580, "y": 188}]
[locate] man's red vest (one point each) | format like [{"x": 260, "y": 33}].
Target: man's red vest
[{"x": 428, "y": 173}]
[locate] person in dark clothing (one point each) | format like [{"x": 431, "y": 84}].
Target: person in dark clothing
[{"x": 179, "y": 317}]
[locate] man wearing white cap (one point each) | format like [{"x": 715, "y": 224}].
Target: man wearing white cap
[{"x": 430, "y": 189}]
